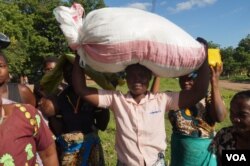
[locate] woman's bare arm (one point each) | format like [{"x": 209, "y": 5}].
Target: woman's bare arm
[
  {"x": 79, "y": 84},
  {"x": 49, "y": 156},
  {"x": 26, "y": 94},
  {"x": 217, "y": 107},
  {"x": 155, "y": 87}
]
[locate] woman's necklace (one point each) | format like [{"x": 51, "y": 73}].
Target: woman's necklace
[
  {"x": 2, "y": 115},
  {"x": 75, "y": 108}
]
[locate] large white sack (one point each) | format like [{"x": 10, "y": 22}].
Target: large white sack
[{"x": 110, "y": 39}]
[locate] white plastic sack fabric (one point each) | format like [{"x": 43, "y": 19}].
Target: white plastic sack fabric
[{"x": 110, "y": 39}]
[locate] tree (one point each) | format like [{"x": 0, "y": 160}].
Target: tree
[
  {"x": 47, "y": 39},
  {"x": 213, "y": 45},
  {"x": 229, "y": 64},
  {"x": 242, "y": 54},
  {"x": 17, "y": 26},
  {"x": 34, "y": 32}
]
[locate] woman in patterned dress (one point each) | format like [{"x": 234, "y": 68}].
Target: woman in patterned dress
[
  {"x": 194, "y": 127},
  {"x": 23, "y": 133}
]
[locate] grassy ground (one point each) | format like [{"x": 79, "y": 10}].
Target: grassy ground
[{"x": 108, "y": 136}]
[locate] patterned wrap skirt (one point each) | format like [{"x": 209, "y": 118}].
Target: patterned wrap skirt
[{"x": 77, "y": 149}]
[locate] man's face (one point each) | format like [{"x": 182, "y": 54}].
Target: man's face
[
  {"x": 4, "y": 71},
  {"x": 138, "y": 78},
  {"x": 49, "y": 66}
]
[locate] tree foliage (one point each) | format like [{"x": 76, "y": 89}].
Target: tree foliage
[
  {"x": 211, "y": 44},
  {"x": 229, "y": 64},
  {"x": 34, "y": 32},
  {"x": 237, "y": 61}
]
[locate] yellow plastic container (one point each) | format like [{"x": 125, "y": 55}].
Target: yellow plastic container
[{"x": 214, "y": 56}]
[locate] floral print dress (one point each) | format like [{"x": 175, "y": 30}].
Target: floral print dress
[
  {"x": 225, "y": 139},
  {"x": 22, "y": 134}
]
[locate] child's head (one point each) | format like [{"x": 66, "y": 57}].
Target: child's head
[
  {"x": 240, "y": 111},
  {"x": 138, "y": 78}
]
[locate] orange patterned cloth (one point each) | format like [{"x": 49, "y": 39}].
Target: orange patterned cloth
[{"x": 79, "y": 149}]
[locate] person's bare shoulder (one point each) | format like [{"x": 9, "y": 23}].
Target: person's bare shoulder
[
  {"x": 24, "y": 89},
  {"x": 26, "y": 94}
]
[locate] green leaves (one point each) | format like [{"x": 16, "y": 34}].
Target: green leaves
[
  {"x": 34, "y": 32},
  {"x": 235, "y": 60}
]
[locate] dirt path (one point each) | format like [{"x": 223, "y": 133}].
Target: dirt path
[{"x": 234, "y": 85}]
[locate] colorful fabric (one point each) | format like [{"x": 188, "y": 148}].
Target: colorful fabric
[
  {"x": 22, "y": 134},
  {"x": 191, "y": 151},
  {"x": 225, "y": 139},
  {"x": 192, "y": 132},
  {"x": 79, "y": 149},
  {"x": 75, "y": 124},
  {"x": 194, "y": 121},
  {"x": 138, "y": 124}
]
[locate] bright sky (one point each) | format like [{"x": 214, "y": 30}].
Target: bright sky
[{"x": 223, "y": 22}]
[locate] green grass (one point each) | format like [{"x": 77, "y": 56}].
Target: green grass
[
  {"x": 237, "y": 78},
  {"x": 108, "y": 136}
]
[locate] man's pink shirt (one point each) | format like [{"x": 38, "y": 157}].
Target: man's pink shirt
[{"x": 140, "y": 128}]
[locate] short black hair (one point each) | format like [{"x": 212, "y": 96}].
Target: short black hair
[
  {"x": 202, "y": 40},
  {"x": 241, "y": 95}
]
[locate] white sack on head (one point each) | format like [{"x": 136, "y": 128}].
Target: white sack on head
[
  {"x": 110, "y": 39},
  {"x": 71, "y": 22}
]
